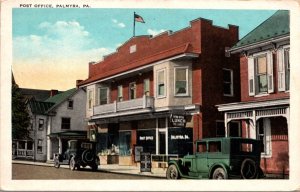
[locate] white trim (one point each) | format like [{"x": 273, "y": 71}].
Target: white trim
[
  {"x": 187, "y": 81},
  {"x": 193, "y": 55}
]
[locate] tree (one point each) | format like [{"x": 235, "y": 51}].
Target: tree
[{"x": 20, "y": 116}]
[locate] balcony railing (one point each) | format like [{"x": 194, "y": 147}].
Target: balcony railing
[{"x": 133, "y": 104}]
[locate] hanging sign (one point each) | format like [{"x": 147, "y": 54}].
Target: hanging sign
[{"x": 177, "y": 120}]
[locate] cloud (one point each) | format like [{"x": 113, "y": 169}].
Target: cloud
[
  {"x": 61, "y": 48},
  {"x": 118, "y": 24},
  {"x": 155, "y": 32}
]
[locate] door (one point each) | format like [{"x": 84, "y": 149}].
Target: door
[{"x": 162, "y": 143}]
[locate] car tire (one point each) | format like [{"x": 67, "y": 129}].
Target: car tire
[
  {"x": 56, "y": 163},
  {"x": 72, "y": 164},
  {"x": 172, "y": 172},
  {"x": 249, "y": 169},
  {"x": 88, "y": 156},
  {"x": 219, "y": 173}
]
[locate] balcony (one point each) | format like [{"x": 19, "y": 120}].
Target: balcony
[{"x": 146, "y": 102}]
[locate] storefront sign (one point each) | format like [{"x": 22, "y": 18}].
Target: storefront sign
[
  {"x": 177, "y": 120},
  {"x": 180, "y": 141},
  {"x": 146, "y": 139},
  {"x": 143, "y": 138},
  {"x": 145, "y": 162},
  {"x": 181, "y": 137}
]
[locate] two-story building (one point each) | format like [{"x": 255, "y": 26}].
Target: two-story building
[
  {"x": 159, "y": 93},
  {"x": 263, "y": 112}
]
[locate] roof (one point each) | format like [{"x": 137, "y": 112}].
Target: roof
[
  {"x": 37, "y": 94},
  {"x": 277, "y": 25},
  {"x": 39, "y": 107},
  {"x": 61, "y": 97}
]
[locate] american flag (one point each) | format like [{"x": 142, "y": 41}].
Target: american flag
[{"x": 138, "y": 18}]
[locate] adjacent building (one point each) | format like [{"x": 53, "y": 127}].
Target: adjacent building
[
  {"x": 158, "y": 94},
  {"x": 263, "y": 112}
]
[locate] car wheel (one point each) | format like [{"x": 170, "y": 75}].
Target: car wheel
[
  {"x": 56, "y": 163},
  {"x": 88, "y": 156},
  {"x": 72, "y": 164},
  {"x": 249, "y": 169},
  {"x": 219, "y": 173},
  {"x": 172, "y": 172}
]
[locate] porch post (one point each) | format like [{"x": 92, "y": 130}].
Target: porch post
[
  {"x": 59, "y": 146},
  {"x": 226, "y": 124},
  {"x": 157, "y": 135},
  {"x": 25, "y": 148},
  {"x": 287, "y": 116},
  {"x": 49, "y": 148},
  {"x": 17, "y": 148}
]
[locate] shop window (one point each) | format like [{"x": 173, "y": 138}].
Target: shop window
[
  {"x": 283, "y": 57},
  {"x": 120, "y": 93},
  {"x": 214, "y": 146},
  {"x": 65, "y": 123},
  {"x": 124, "y": 143},
  {"x": 161, "y": 83},
  {"x": 260, "y": 73},
  {"x": 147, "y": 87},
  {"x": 90, "y": 99},
  {"x": 181, "y": 81},
  {"x": 70, "y": 104},
  {"x": 103, "y": 95},
  {"x": 202, "y": 148},
  {"x": 227, "y": 82},
  {"x": 132, "y": 90},
  {"x": 220, "y": 129},
  {"x": 41, "y": 124},
  {"x": 40, "y": 146}
]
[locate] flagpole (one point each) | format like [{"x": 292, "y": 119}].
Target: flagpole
[{"x": 133, "y": 24}]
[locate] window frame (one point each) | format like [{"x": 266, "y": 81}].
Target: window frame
[
  {"x": 267, "y": 153},
  {"x": 99, "y": 95},
  {"x": 129, "y": 90},
  {"x": 187, "y": 81},
  {"x": 70, "y": 101},
  {"x": 41, "y": 125},
  {"x": 39, "y": 146},
  {"x": 158, "y": 95},
  {"x": 62, "y": 127},
  {"x": 257, "y": 74},
  {"x": 231, "y": 82}
]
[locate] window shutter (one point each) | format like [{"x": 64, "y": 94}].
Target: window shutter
[
  {"x": 270, "y": 72},
  {"x": 251, "y": 84},
  {"x": 267, "y": 126},
  {"x": 281, "y": 71}
]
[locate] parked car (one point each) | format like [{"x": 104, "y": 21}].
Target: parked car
[
  {"x": 79, "y": 153},
  {"x": 219, "y": 158}
]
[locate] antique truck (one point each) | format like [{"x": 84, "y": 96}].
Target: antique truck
[
  {"x": 219, "y": 158},
  {"x": 79, "y": 154}
]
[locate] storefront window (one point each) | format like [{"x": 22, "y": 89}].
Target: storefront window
[
  {"x": 124, "y": 143},
  {"x": 146, "y": 139}
]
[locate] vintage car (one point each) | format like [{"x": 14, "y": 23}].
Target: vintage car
[
  {"x": 219, "y": 158},
  {"x": 79, "y": 153}
]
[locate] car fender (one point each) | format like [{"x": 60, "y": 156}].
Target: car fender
[
  {"x": 212, "y": 168},
  {"x": 176, "y": 163}
]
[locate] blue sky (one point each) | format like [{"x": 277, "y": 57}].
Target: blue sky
[{"x": 49, "y": 44}]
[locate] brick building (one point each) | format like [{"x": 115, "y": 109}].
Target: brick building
[
  {"x": 265, "y": 83},
  {"x": 160, "y": 92}
]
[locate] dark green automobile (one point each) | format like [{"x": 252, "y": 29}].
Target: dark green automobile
[{"x": 219, "y": 158}]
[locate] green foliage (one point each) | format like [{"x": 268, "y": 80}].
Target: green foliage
[{"x": 20, "y": 116}]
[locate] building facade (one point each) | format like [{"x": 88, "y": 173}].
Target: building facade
[
  {"x": 263, "y": 112},
  {"x": 158, "y": 94}
]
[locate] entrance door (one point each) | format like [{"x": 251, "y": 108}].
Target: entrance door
[{"x": 162, "y": 143}]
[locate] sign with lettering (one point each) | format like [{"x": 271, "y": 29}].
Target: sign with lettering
[
  {"x": 180, "y": 141},
  {"x": 146, "y": 139},
  {"x": 177, "y": 120}
]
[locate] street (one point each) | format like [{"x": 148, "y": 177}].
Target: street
[{"x": 22, "y": 171}]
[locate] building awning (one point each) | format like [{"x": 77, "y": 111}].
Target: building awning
[{"x": 69, "y": 134}]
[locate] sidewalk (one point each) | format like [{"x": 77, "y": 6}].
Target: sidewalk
[{"x": 112, "y": 168}]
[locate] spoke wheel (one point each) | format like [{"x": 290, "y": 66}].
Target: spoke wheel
[
  {"x": 72, "y": 164},
  {"x": 219, "y": 173},
  {"x": 249, "y": 169},
  {"x": 172, "y": 172}
]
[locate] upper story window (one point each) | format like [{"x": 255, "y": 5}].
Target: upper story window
[
  {"x": 181, "y": 81},
  {"x": 161, "y": 85},
  {"x": 65, "y": 123},
  {"x": 103, "y": 95},
  {"x": 147, "y": 87},
  {"x": 120, "y": 93},
  {"x": 70, "y": 104},
  {"x": 227, "y": 82},
  {"x": 260, "y": 73},
  {"x": 41, "y": 124},
  {"x": 283, "y": 57},
  {"x": 90, "y": 99},
  {"x": 132, "y": 90}
]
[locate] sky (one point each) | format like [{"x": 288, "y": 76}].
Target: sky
[{"x": 52, "y": 47}]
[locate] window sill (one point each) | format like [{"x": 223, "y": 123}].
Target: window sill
[
  {"x": 262, "y": 95},
  {"x": 182, "y": 96},
  {"x": 227, "y": 95},
  {"x": 161, "y": 97},
  {"x": 266, "y": 156}
]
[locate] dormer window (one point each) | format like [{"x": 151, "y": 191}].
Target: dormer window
[
  {"x": 132, "y": 49},
  {"x": 70, "y": 104}
]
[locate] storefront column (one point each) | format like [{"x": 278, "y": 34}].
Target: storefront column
[
  {"x": 167, "y": 144},
  {"x": 49, "y": 149},
  {"x": 59, "y": 146},
  {"x": 226, "y": 124},
  {"x": 157, "y": 139}
]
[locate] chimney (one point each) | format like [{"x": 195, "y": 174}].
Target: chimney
[
  {"x": 53, "y": 92},
  {"x": 77, "y": 82}
]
